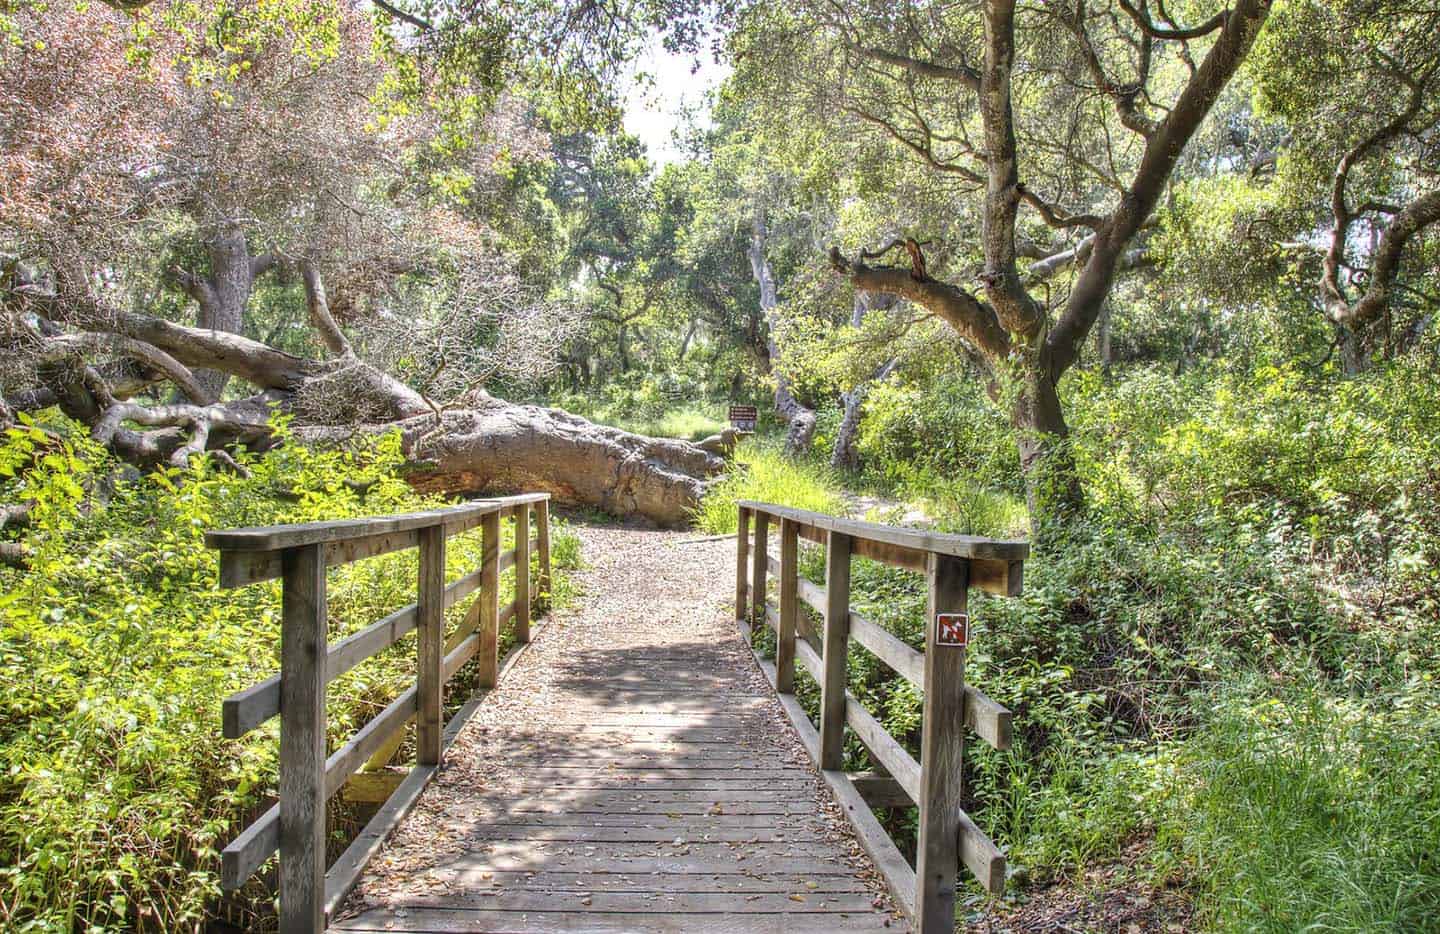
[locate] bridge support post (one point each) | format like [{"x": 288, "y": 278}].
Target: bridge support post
[
  {"x": 542, "y": 542},
  {"x": 430, "y": 642},
  {"x": 942, "y": 739},
  {"x": 742, "y": 553},
  {"x": 488, "y": 655},
  {"x": 303, "y": 653},
  {"x": 759, "y": 572},
  {"x": 522, "y": 573},
  {"x": 837, "y": 647},
  {"x": 789, "y": 597}
]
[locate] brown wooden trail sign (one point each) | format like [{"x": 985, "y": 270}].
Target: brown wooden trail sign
[{"x": 744, "y": 417}]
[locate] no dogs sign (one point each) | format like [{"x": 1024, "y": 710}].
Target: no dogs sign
[{"x": 952, "y": 628}]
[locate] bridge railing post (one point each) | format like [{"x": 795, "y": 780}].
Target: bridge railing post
[
  {"x": 488, "y": 656},
  {"x": 742, "y": 553},
  {"x": 430, "y": 646},
  {"x": 789, "y": 585},
  {"x": 837, "y": 648},
  {"x": 522, "y": 573},
  {"x": 759, "y": 572},
  {"x": 942, "y": 744},
  {"x": 542, "y": 544},
  {"x": 303, "y": 652}
]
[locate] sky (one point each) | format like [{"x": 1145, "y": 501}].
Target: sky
[{"x": 653, "y": 112}]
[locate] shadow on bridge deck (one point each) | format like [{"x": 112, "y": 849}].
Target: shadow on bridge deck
[{"x": 632, "y": 772}]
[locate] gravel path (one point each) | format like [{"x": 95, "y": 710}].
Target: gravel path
[{"x": 632, "y": 772}]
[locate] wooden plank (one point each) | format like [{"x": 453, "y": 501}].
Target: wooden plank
[
  {"x": 430, "y": 646},
  {"x": 742, "y": 555},
  {"x": 911, "y": 559},
  {"x": 788, "y": 578},
  {"x": 981, "y": 856},
  {"x": 883, "y": 746},
  {"x": 522, "y": 573},
  {"x": 489, "y": 628},
  {"x": 278, "y": 537},
  {"x": 899, "y": 877},
  {"x": 760, "y": 564},
  {"x": 242, "y": 568},
  {"x": 557, "y": 921},
  {"x": 347, "y": 760},
  {"x": 302, "y": 741},
  {"x": 813, "y": 594},
  {"x": 254, "y": 845},
  {"x": 469, "y": 646},
  {"x": 832, "y": 900},
  {"x": 880, "y": 791},
  {"x": 372, "y": 787},
  {"x": 994, "y": 723},
  {"x": 812, "y": 661},
  {"x": 906, "y": 661},
  {"x": 960, "y": 546},
  {"x": 837, "y": 634},
  {"x": 1005, "y": 578},
  {"x": 941, "y": 753}
]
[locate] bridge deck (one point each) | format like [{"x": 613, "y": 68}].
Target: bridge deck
[{"x": 633, "y": 772}]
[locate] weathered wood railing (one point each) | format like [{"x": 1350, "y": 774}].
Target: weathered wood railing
[
  {"x": 952, "y": 564},
  {"x": 299, "y": 555}
]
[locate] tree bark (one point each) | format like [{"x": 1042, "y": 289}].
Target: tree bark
[
  {"x": 800, "y": 419},
  {"x": 1052, "y": 482},
  {"x": 499, "y": 446},
  {"x": 223, "y": 295},
  {"x": 844, "y": 456}
]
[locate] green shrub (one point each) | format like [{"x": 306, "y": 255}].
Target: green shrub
[
  {"x": 761, "y": 472},
  {"x": 117, "y": 648}
]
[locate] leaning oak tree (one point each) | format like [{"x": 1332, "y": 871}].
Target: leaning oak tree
[
  {"x": 1071, "y": 114},
  {"x": 198, "y": 167}
]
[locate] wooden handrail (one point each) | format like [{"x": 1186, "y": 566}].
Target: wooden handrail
[
  {"x": 952, "y": 565},
  {"x": 299, "y": 555}
]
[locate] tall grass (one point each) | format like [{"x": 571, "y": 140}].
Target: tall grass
[
  {"x": 1311, "y": 813},
  {"x": 763, "y": 473}
]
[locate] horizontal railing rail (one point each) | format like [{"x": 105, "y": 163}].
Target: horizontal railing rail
[
  {"x": 952, "y": 565},
  {"x": 299, "y": 555}
]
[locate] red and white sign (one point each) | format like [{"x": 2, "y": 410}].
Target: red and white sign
[{"x": 952, "y": 628}]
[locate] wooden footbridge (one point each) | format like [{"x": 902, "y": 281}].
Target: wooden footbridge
[{"x": 647, "y": 775}]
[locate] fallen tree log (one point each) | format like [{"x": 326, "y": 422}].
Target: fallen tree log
[{"x": 489, "y": 445}]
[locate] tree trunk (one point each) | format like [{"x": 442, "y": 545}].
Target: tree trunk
[
  {"x": 844, "y": 456},
  {"x": 1052, "y": 479},
  {"x": 1354, "y": 354},
  {"x": 800, "y": 419},
  {"x": 500, "y": 446},
  {"x": 1102, "y": 338},
  {"x": 223, "y": 297}
]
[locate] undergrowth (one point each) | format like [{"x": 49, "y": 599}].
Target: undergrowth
[
  {"x": 1231, "y": 656},
  {"x": 117, "y": 647}
]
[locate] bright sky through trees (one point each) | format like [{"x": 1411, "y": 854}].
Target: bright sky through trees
[{"x": 665, "y": 84}]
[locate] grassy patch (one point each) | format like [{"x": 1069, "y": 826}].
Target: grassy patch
[
  {"x": 763, "y": 473},
  {"x": 1310, "y": 813}
]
